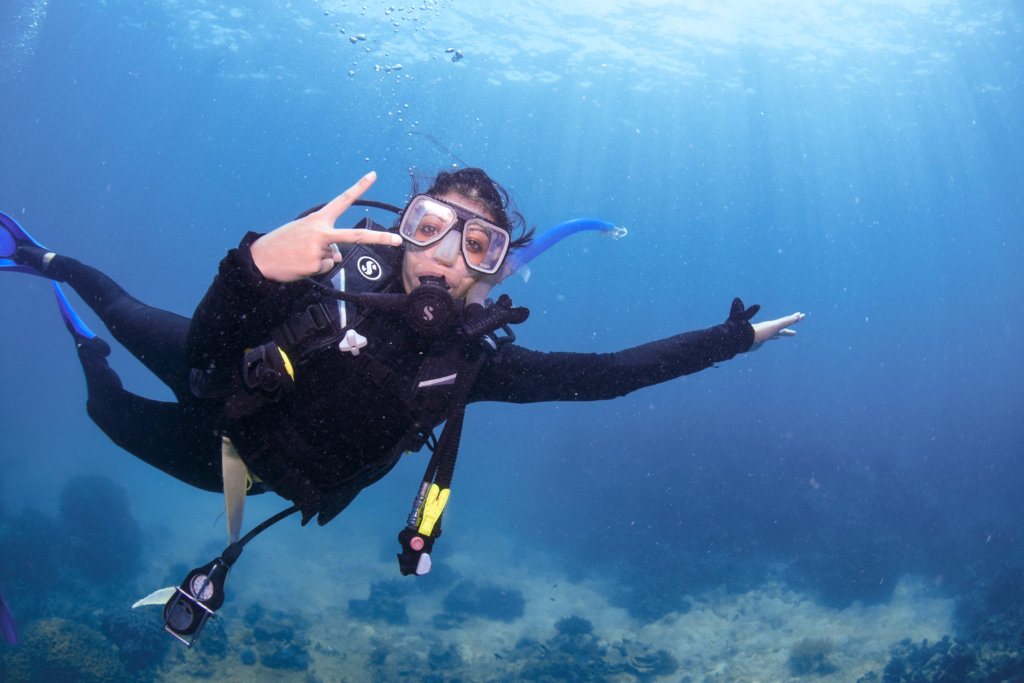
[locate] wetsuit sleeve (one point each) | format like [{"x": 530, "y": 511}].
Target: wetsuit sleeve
[
  {"x": 519, "y": 375},
  {"x": 240, "y": 310}
]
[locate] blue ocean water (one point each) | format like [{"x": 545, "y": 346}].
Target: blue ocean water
[{"x": 857, "y": 161}]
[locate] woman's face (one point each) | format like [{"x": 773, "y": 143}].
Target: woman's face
[{"x": 444, "y": 259}]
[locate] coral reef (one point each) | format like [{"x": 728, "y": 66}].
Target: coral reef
[
  {"x": 577, "y": 654},
  {"x": 286, "y": 657},
  {"x": 811, "y": 657},
  {"x": 487, "y": 601},
  {"x": 140, "y": 642},
  {"x": 574, "y": 626},
  {"x": 991, "y": 647},
  {"x": 386, "y": 603},
  {"x": 640, "y": 660},
  {"x": 993, "y": 611},
  {"x": 60, "y": 650},
  {"x": 658, "y": 593},
  {"x": 562, "y": 658},
  {"x": 444, "y": 660},
  {"x": 275, "y": 640},
  {"x": 102, "y": 537},
  {"x": 943, "y": 661},
  {"x": 950, "y": 660}
]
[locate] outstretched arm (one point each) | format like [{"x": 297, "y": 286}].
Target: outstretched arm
[{"x": 519, "y": 375}]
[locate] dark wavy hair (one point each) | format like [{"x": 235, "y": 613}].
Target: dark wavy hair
[{"x": 474, "y": 183}]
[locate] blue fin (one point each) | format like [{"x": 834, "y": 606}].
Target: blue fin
[
  {"x": 7, "y": 625},
  {"x": 75, "y": 324},
  {"x": 12, "y": 236}
]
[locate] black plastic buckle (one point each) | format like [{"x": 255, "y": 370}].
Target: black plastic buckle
[{"x": 262, "y": 369}]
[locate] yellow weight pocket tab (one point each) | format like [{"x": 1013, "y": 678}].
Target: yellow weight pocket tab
[{"x": 287, "y": 363}]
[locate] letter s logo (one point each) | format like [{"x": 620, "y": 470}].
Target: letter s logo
[
  {"x": 369, "y": 268},
  {"x": 428, "y": 313}
]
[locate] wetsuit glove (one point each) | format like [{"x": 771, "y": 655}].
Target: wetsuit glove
[{"x": 739, "y": 315}]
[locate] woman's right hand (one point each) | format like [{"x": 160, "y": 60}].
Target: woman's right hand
[{"x": 306, "y": 246}]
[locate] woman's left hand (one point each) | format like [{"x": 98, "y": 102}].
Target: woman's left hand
[{"x": 773, "y": 329}]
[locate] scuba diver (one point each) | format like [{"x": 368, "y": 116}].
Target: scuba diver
[{"x": 319, "y": 356}]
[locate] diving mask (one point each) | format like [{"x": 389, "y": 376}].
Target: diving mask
[{"x": 427, "y": 220}]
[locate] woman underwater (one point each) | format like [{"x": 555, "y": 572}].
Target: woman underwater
[{"x": 321, "y": 355}]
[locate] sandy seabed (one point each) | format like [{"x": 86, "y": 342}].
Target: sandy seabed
[{"x": 722, "y": 637}]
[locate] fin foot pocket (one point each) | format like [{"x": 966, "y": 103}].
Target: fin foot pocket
[{"x": 19, "y": 251}]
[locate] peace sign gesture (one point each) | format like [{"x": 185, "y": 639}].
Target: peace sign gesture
[{"x": 306, "y": 246}]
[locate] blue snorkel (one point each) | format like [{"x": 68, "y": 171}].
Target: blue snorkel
[{"x": 516, "y": 263}]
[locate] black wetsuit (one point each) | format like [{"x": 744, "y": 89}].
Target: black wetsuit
[
  {"x": 337, "y": 430},
  {"x": 179, "y": 437}
]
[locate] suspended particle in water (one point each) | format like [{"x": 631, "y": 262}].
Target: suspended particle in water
[{"x": 19, "y": 29}]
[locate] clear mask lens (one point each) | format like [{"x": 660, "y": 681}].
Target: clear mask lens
[{"x": 426, "y": 220}]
